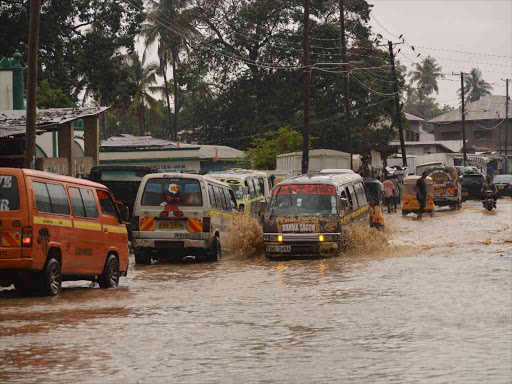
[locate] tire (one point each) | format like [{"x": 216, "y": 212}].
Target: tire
[
  {"x": 110, "y": 276},
  {"x": 51, "y": 279},
  {"x": 404, "y": 213},
  {"x": 214, "y": 253},
  {"x": 143, "y": 258}
]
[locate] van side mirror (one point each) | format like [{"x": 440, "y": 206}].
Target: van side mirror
[{"x": 124, "y": 212}]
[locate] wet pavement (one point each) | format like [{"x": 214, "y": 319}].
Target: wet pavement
[{"x": 433, "y": 305}]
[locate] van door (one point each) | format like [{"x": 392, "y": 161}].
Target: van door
[
  {"x": 87, "y": 247},
  {"x": 13, "y": 213},
  {"x": 115, "y": 235}
]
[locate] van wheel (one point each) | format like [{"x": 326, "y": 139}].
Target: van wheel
[
  {"x": 110, "y": 276},
  {"x": 404, "y": 213},
  {"x": 142, "y": 258},
  {"x": 51, "y": 278},
  {"x": 215, "y": 252}
]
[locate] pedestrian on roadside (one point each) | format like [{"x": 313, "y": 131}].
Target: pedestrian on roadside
[
  {"x": 398, "y": 191},
  {"x": 421, "y": 194},
  {"x": 389, "y": 193}
]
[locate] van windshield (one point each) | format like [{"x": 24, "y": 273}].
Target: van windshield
[
  {"x": 304, "y": 200},
  {"x": 182, "y": 192},
  {"x": 9, "y": 196}
]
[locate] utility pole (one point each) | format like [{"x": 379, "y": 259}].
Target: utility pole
[
  {"x": 397, "y": 104},
  {"x": 345, "y": 79},
  {"x": 506, "y": 131},
  {"x": 463, "y": 117},
  {"x": 307, "y": 90},
  {"x": 33, "y": 43}
]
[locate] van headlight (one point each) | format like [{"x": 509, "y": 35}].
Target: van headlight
[
  {"x": 329, "y": 237},
  {"x": 273, "y": 238}
]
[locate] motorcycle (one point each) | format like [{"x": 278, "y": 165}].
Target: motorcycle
[{"x": 488, "y": 202}]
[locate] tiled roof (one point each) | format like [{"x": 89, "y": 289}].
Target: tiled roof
[
  {"x": 410, "y": 117},
  {"x": 452, "y": 145},
  {"x": 12, "y": 122},
  {"x": 489, "y": 107},
  {"x": 131, "y": 141}
]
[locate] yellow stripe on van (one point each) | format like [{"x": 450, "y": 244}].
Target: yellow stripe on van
[
  {"x": 57, "y": 222},
  {"x": 214, "y": 213},
  {"x": 115, "y": 228},
  {"x": 228, "y": 215},
  {"x": 87, "y": 225}
]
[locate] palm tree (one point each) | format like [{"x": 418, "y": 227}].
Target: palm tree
[
  {"x": 426, "y": 75},
  {"x": 169, "y": 23},
  {"x": 474, "y": 86},
  {"x": 142, "y": 77}
]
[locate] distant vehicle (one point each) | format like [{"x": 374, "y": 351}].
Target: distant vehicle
[
  {"x": 422, "y": 167},
  {"x": 409, "y": 201},
  {"x": 58, "y": 228},
  {"x": 122, "y": 180},
  {"x": 248, "y": 187},
  {"x": 307, "y": 214},
  {"x": 503, "y": 184},
  {"x": 180, "y": 214},
  {"x": 488, "y": 200},
  {"x": 472, "y": 186},
  {"x": 447, "y": 187}
]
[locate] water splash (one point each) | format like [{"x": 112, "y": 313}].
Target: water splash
[{"x": 245, "y": 236}]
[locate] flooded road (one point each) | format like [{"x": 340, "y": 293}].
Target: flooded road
[{"x": 434, "y": 305}]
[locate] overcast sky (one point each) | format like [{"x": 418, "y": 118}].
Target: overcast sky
[{"x": 481, "y": 27}]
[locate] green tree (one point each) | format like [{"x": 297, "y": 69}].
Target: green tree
[
  {"x": 263, "y": 153},
  {"x": 426, "y": 75},
  {"x": 475, "y": 86},
  {"x": 79, "y": 41},
  {"x": 171, "y": 43},
  {"x": 51, "y": 98},
  {"x": 143, "y": 77}
]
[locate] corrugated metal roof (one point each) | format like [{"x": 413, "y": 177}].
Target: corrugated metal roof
[
  {"x": 488, "y": 107},
  {"x": 12, "y": 123},
  {"x": 220, "y": 152},
  {"x": 451, "y": 145},
  {"x": 139, "y": 142},
  {"x": 410, "y": 117}
]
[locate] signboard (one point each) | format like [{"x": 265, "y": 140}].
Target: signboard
[{"x": 306, "y": 189}]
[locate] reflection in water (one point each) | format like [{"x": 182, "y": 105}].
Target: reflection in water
[{"x": 422, "y": 302}]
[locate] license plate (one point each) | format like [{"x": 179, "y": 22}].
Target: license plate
[
  {"x": 171, "y": 225},
  {"x": 279, "y": 248},
  {"x": 501, "y": 187},
  {"x": 439, "y": 191}
]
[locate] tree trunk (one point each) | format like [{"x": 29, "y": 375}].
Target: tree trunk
[
  {"x": 166, "y": 89},
  {"x": 176, "y": 103}
]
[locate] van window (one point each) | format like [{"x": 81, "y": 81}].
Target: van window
[
  {"x": 227, "y": 196},
  {"x": 211, "y": 196},
  {"x": 218, "y": 197},
  {"x": 91, "y": 209},
  {"x": 183, "y": 192},
  {"x": 58, "y": 199},
  {"x": 250, "y": 186},
  {"x": 9, "y": 196},
  {"x": 226, "y": 203},
  {"x": 257, "y": 188},
  {"x": 361, "y": 194},
  {"x": 261, "y": 182},
  {"x": 354, "y": 196},
  {"x": 106, "y": 204},
  {"x": 76, "y": 202},
  {"x": 42, "y": 197},
  {"x": 350, "y": 198},
  {"x": 303, "y": 200}
]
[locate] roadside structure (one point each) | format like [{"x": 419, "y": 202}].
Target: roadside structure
[{"x": 167, "y": 155}]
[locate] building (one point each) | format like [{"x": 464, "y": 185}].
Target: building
[
  {"x": 166, "y": 155},
  {"x": 418, "y": 148},
  {"x": 485, "y": 125},
  {"x": 67, "y": 139}
]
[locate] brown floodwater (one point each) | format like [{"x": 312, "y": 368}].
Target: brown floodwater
[{"x": 427, "y": 302}]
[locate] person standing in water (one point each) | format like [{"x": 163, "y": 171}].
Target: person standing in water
[{"x": 421, "y": 194}]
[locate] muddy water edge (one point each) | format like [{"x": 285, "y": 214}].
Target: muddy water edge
[{"x": 427, "y": 301}]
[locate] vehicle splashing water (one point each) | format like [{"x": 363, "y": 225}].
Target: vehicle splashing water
[{"x": 245, "y": 237}]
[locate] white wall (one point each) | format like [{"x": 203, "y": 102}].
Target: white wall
[{"x": 6, "y": 97}]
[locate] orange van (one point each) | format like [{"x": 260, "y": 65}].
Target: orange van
[{"x": 55, "y": 228}]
